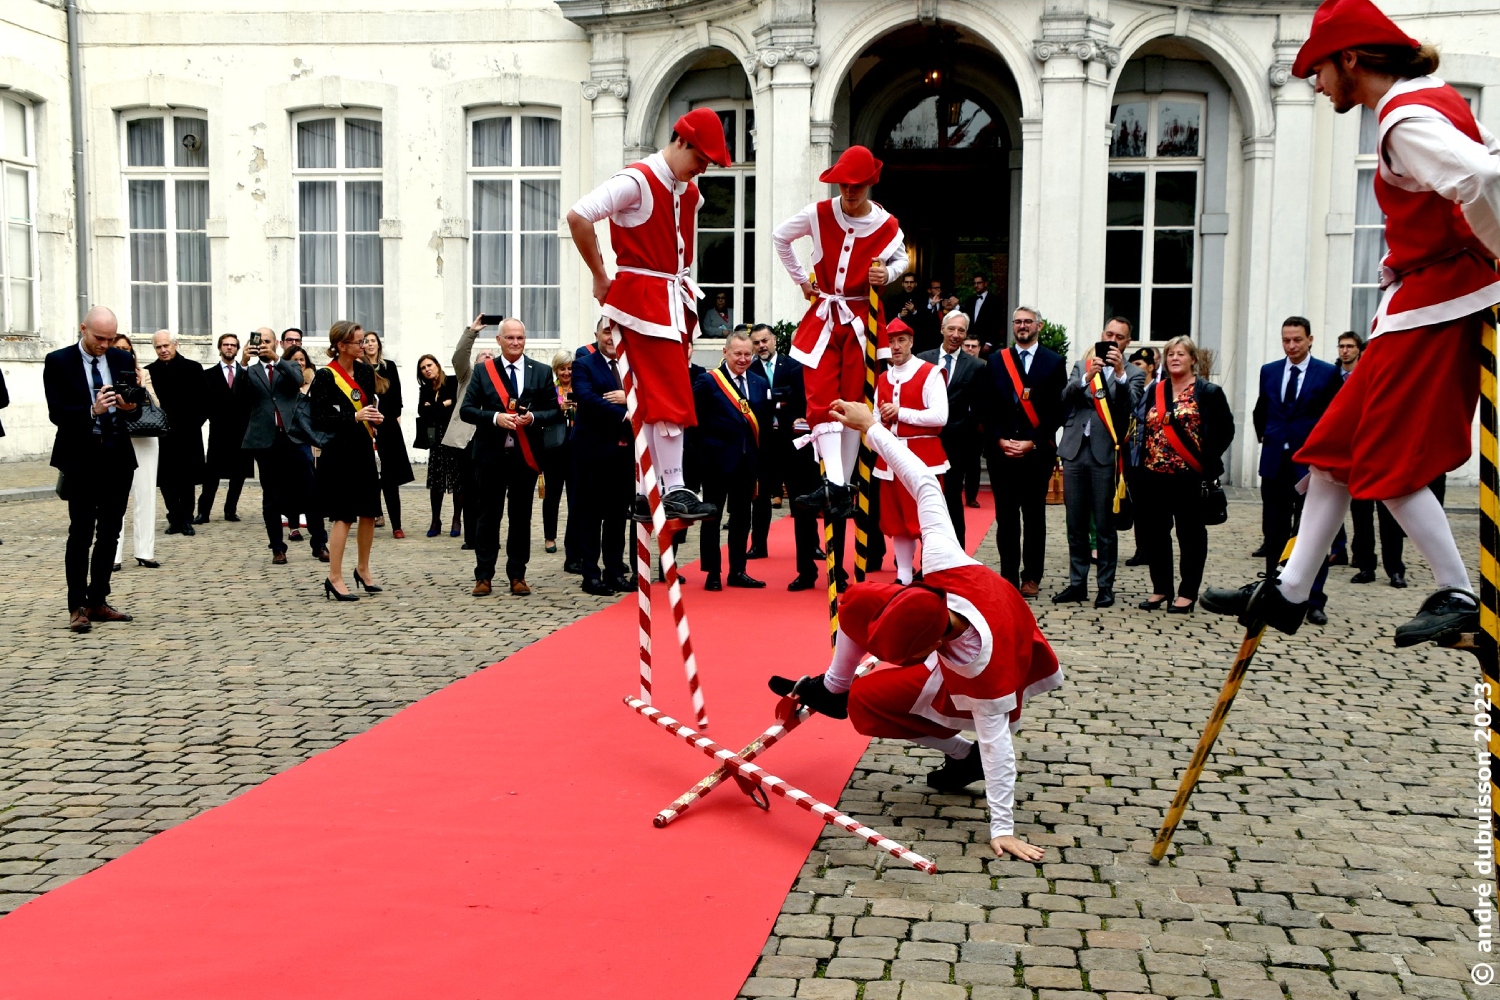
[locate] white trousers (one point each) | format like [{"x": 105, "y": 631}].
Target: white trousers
[{"x": 143, "y": 499}]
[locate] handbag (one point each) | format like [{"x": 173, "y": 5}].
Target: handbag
[
  {"x": 301, "y": 429},
  {"x": 150, "y": 421},
  {"x": 1214, "y": 504}
]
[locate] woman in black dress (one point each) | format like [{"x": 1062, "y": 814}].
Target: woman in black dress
[
  {"x": 344, "y": 410},
  {"x": 436, "y": 402},
  {"x": 395, "y": 466}
]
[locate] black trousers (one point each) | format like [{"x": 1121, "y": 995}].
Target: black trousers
[
  {"x": 211, "y": 489},
  {"x": 732, "y": 494},
  {"x": 777, "y": 459},
  {"x": 557, "y": 468},
  {"x": 468, "y": 497},
  {"x": 97, "y": 492},
  {"x": 1392, "y": 538},
  {"x": 506, "y": 484},
  {"x": 970, "y": 469},
  {"x": 963, "y": 457},
  {"x": 1162, "y": 500},
  {"x": 177, "y": 498},
  {"x": 599, "y": 504},
  {"x": 286, "y": 484},
  {"x": 1280, "y": 515},
  {"x": 1020, "y": 488}
]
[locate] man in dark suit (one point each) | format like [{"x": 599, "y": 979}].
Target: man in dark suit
[
  {"x": 1294, "y": 393},
  {"x": 603, "y": 468},
  {"x": 1024, "y": 392},
  {"x": 984, "y": 311},
  {"x": 783, "y": 374},
  {"x": 92, "y": 452},
  {"x": 1090, "y": 451},
  {"x": 960, "y": 436},
  {"x": 734, "y": 407},
  {"x": 268, "y": 393},
  {"x": 510, "y": 409},
  {"x": 226, "y": 427},
  {"x": 179, "y": 387}
]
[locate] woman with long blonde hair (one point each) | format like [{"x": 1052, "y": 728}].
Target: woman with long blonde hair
[
  {"x": 395, "y": 464},
  {"x": 344, "y": 407}
]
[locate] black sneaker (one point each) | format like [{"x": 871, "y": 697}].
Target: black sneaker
[
  {"x": 840, "y": 501},
  {"x": 1444, "y": 616},
  {"x": 811, "y": 693},
  {"x": 683, "y": 505},
  {"x": 1257, "y": 602},
  {"x": 957, "y": 773},
  {"x": 812, "y": 503},
  {"x": 641, "y": 510}
]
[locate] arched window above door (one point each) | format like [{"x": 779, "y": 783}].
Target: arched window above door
[{"x": 956, "y": 120}]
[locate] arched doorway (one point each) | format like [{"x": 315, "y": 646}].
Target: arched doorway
[{"x": 941, "y": 108}]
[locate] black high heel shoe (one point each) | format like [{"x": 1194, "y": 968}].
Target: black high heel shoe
[
  {"x": 328, "y": 592},
  {"x": 369, "y": 587},
  {"x": 148, "y": 563},
  {"x": 1150, "y": 605},
  {"x": 1182, "y": 609}
]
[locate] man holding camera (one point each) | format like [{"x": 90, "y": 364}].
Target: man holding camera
[
  {"x": 268, "y": 392},
  {"x": 91, "y": 391},
  {"x": 1098, "y": 400}
]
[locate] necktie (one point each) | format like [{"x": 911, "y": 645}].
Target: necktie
[
  {"x": 739, "y": 381},
  {"x": 98, "y": 384},
  {"x": 1290, "y": 396},
  {"x": 229, "y": 375},
  {"x": 948, "y": 365},
  {"x": 1025, "y": 362},
  {"x": 614, "y": 369},
  {"x": 510, "y": 379}
]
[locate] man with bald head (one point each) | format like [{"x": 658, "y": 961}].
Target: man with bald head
[
  {"x": 179, "y": 387},
  {"x": 89, "y": 386}
]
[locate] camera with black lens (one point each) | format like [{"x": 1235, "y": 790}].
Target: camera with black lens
[{"x": 130, "y": 395}]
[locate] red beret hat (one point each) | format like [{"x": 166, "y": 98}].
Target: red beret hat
[
  {"x": 901, "y": 625},
  {"x": 893, "y": 327},
  {"x": 1347, "y": 24},
  {"x": 857, "y": 166},
  {"x": 702, "y": 129}
]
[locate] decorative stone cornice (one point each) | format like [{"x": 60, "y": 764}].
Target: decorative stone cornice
[
  {"x": 772, "y": 56},
  {"x": 618, "y": 87},
  {"x": 1082, "y": 49},
  {"x": 1280, "y": 73}
]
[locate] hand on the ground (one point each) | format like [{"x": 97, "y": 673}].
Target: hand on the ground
[
  {"x": 601, "y": 288},
  {"x": 1016, "y": 847},
  {"x": 856, "y": 416}
]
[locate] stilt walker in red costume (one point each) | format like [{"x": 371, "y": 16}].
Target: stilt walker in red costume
[
  {"x": 856, "y": 244},
  {"x": 652, "y": 208},
  {"x": 911, "y": 401},
  {"x": 1403, "y": 418},
  {"x": 963, "y": 648}
]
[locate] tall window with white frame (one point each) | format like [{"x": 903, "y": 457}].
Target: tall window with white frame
[
  {"x": 725, "y": 256},
  {"x": 166, "y": 193},
  {"x": 18, "y": 287},
  {"x": 1155, "y": 199},
  {"x": 340, "y": 269},
  {"x": 1369, "y": 231},
  {"x": 515, "y": 160}
]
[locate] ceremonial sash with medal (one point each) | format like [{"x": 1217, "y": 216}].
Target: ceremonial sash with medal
[
  {"x": 1023, "y": 391},
  {"x": 510, "y": 407},
  {"x": 350, "y": 388},
  {"x": 1164, "y": 417},
  {"x": 1103, "y": 412},
  {"x": 743, "y": 405}
]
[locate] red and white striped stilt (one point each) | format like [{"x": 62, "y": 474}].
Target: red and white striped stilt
[
  {"x": 785, "y": 723},
  {"x": 758, "y": 776},
  {"x": 645, "y": 478}
]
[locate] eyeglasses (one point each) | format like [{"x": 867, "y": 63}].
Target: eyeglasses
[{"x": 1022, "y": 322}]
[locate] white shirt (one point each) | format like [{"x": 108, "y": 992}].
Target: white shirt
[
  {"x": 88, "y": 376},
  {"x": 1025, "y": 357},
  {"x": 805, "y": 223},
  {"x": 947, "y": 361},
  {"x": 225, "y": 367},
  {"x": 625, "y": 199},
  {"x": 979, "y": 302},
  {"x": 517, "y": 371},
  {"x": 1286, "y": 375}
]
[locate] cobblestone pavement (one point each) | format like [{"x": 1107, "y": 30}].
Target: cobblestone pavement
[{"x": 1323, "y": 856}]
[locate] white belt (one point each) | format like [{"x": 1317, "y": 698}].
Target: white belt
[
  {"x": 824, "y": 310},
  {"x": 688, "y": 293}
]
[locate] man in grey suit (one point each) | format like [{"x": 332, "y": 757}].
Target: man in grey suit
[
  {"x": 965, "y": 375},
  {"x": 269, "y": 393},
  {"x": 1090, "y": 464},
  {"x": 459, "y": 434}
]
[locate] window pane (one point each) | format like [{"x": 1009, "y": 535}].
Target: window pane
[
  {"x": 1123, "y": 302},
  {"x": 541, "y": 142},
  {"x": 491, "y": 206},
  {"x": 1177, "y": 198},
  {"x": 319, "y": 310},
  {"x": 1129, "y": 121},
  {"x": 969, "y": 126},
  {"x": 1369, "y": 248},
  {"x": 315, "y": 145},
  {"x": 1362, "y": 309},
  {"x": 192, "y": 205},
  {"x": 1122, "y": 255},
  {"x": 917, "y": 130},
  {"x": 148, "y": 256},
  {"x": 316, "y": 207},
  {"x": 749, "y": 151},
  {"x": 747, "y": 310},
  {"x": 18, "y": 195},
  {"x": 18, "y": 252},
  {"x": 184, "y": 157},
  {"x": 20, "y": 308},
  {"x": 143, "y": 142},
  {"x": 1369, "y": 131},
  {"x": 747, "y": 258},
  {"x": 718, "y": 203},
  {"x": 362, "y": 259},
  {"x": 148, "y": 308},
  {"x": 716, "y": 258},
  {"x": 727, "y": 120},
  {"x": 193, "y": 308},
  {"x": 1171, "y": 312},
  {"x": 192, "y": 257},
  {"x": 366, "y": 306},
  {"x": 319, "y": 260},
  {"x": 361, "y": 143},
  {"x": 539, "y": 209},
  {"x": 1177, "y": 127},
  {"x": 362, "y": 206},
  {"x": 749, "y": 202},
  {"x": 539, "y": 259},
  {"x": 1172, "y": 262},
  {"x": 493, "y": 301},
  {"x": 1127, "y": 199},
  {"x": 1366, "y": 209},
  {"x": 491, "y": 259},
  {"x": 15, "y": 130},
  {"x": 492, "y": 142},
  {"x": 539, "y": 310},
  {"x": 148, "y": 204}
]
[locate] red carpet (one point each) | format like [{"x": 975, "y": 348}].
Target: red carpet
[{"x": 492, "y": 840}]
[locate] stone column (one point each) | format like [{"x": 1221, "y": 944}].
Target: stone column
[{"x": 785, "y": 178}]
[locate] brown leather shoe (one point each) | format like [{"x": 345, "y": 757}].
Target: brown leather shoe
[
  {"x": 518, "y": 588},
  {"x": 278, "y": 559},
  {"x": 1030, "y": 588},
  {"x": 323, "y": 554},
  {"x": 78, "y": 621},
  {"x": 481, "y": 588},
  {"x": 105, "y": 613}
]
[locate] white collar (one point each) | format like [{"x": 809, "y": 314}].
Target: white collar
[
  {"x": 1405, "y": 87},
  {"x": 658, "y": 163},
  {"x": 1300, "y": 366},
  {"x": 906, "y": 369},
  {"x": 876, "y": 216},
  {"x": 87, "y": 357},
  {"x": 1028, "y": 349}
]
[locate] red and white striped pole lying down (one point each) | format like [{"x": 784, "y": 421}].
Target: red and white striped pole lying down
[
  {"x": 758, "y": 776},
  {"x": 784, "y": 724}
]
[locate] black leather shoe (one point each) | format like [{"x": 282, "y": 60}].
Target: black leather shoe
[
  {"x": 812, "y": 694},
  {"x": 1255, "y": 602},
  {"x": 840, "y": 501},
  {"x": 1259, "y": 553},
  {"x": 819, "y": 554},
  {"x": 684, "y": 505},
  {"x": 620, "y": 584},
  {"x": 1339, "y": 559},
  {"x": 1398, "y": 580},
  {"x": 597, "y": 587},
  {"x": 640, "y": 510},
  {"x": 744, "y": 580},
  {"x": 573, "y": 566},
  {"x": 148, "y": 563},
  {"x": 1363, "y": 576},
  {"x": 1136, "y": 560},
  {"x": 173, "y": 529},
  {"x": 812, "y": 503},
  {"x": 1071, "y": 595},
  {"x": 230, "y": 515},
  {"x": 203, "y": 519},
  {"x": 712, "y": 583},
  {"x": 1317, "y": 616},
  {"x": 1104, "y": 599},
  {"x": 957, "y": 773},
  {"x": 1443, "y": 617},
  {"x": 188, "y": 529},
  {"x": 756, "y": 552},
  {"x": 802, "y": 583}
]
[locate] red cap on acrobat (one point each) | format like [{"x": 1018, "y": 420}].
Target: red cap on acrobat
[
  {"x": 857, "y": 166},
  {"x": 702, "y": 129},
  {"x": 901, "y": 625},
  {"x": 1347, "y": 24},
  {"x": 892, "y": 328}
]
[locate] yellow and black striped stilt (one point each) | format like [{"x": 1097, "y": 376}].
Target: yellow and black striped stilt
[
  {"x": 833, "y": 584},
  {"x": 1488, "y": 639},
  {"x": 864, "y": 481}
]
